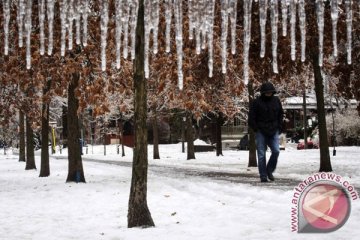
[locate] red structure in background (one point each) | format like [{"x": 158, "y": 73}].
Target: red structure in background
[
  {"x": 128, "y": 140},
  {"x": 310, "y": 145}
]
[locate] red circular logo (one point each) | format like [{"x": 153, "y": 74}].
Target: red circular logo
[{"x": 326, "y": 207}]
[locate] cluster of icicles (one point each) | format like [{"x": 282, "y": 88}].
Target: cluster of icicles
[{"x": 201, "y": 23}]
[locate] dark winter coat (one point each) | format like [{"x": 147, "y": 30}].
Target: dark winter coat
[{"x": 266, "y": 115}]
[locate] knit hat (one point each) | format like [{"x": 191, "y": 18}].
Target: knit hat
[{"x": 267, "y": 87}]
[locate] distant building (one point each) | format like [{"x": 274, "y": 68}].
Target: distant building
[{"x": 293, "y": 107}]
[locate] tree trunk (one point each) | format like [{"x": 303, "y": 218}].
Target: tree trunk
[
  {"x": 313, "y": 53},
  {"x": 190, "y": 137},
  {"x": 5, "y": 145},
  {"x": 45, "y": 164},
  {"x": 64, "y": 125},
  {"x": 252, "y": 143},
  {"x": 22, "y": 157},
  {"x": 325, "y": 163},
  {"x": 156, "y": 154},
  {"x": 183, "y": 123},
  {"x": 138, "y": 211},
  {"x": 122, "y": 140},
  {"x": 121, "y": 129},
  {"x": 122, "y": 149},
  {"x": 305, "y": 120},
  {"x": 30, "y": 154},
  {"x": 75, "y": 168},
  {"x": 219, "y": 123},
  {"x": 104, "y": 143}
]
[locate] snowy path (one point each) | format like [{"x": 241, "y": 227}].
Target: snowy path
[
  {"x": 239, "y": 177},
  {"x": 293, "y": 166},
  {"x": 184, "y": 172}
]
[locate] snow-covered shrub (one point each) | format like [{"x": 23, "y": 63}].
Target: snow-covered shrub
[{"x": 347, "y": 127}]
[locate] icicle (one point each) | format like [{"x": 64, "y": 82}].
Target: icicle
[
  {"x": 197, "y": 18},
  {"x": 302, "y": 22},
  {"x": 320, "y": 23},
  {"x": 28, "y": 26},
  {"x": 203, "y": 23},
  {"x": 125, "y": 23},
  {"x": 77, "y": 16},
  {"x": 20, "y": 20},
  {"x": 211, "y": 9},
  {"x": 348, "y": 10},
  {"x": 104, "y": 28},
  {"x": 179, "y": 39},
  {"x": 247, "y": 38},
  {"x": 147, "y": 16},
  {"x": 284, "y": 13},
  {"x": 70, "y": 23},
  {"x": 50, "y": 16},
  {"x": 168, "y": 16},
  {"x": 190, "y": 15},
  {"x": 155, "y": 24},
  {"x": 274, "y": 32},
  {"x": 85, "y": 21},
  {"x": 63, "y": 16},
  {"x": 6, "y": 11},
  {"x": 41, "y": 25},
  {"x": 293, "y": 28},
  {"x": 224, "y": 32},
  {"x": 134, "y": 11},
  {"x": 334, "y": 18},
  {"x": 233, "y": 19},
  {"x": 118, "y": 15},
  {"x": 263, "y": 6}
]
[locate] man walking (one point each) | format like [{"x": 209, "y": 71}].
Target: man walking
[{"x": 266, "y": 119}]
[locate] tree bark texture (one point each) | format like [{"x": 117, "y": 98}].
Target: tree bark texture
[
  {"x": 138, "y": 211},
  {"x": 30, "y": 154},
  {"x": 156, "y": 154},
  {"x": 305, "y": 120},
  {"x": 219, "y": 122},
  {"x": 75, "y": 167},
  {"x": 252, "y": 143},
  {"x": 121, "y": 141},
  {"x": 22, "y": 157},
  {"x": 45, "y": 164},
  {"x": 325, "y": 163},
  {"x": 183, "y": 123},
  {"x": 190, "y": 137},
  {"x": 64, "y": 125}
]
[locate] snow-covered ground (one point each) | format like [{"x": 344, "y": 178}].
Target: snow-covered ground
[{"x": 207, "y": 198}]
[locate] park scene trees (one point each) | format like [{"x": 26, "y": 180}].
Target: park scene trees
[{"x": 89, "y": 64}]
